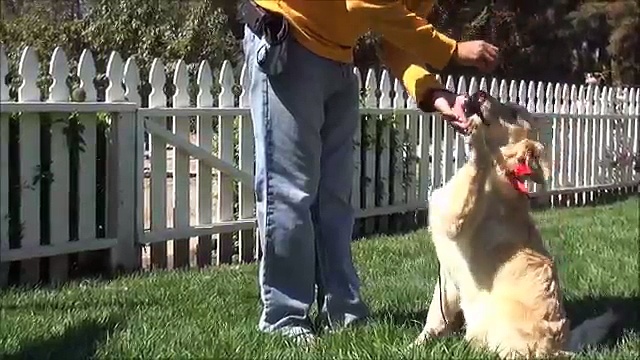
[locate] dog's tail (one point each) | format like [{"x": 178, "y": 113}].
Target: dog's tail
[{"x": 591, "y": 331}]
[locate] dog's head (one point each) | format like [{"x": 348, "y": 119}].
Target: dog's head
[
  {"x": 508, "y": 123},
  {"x": 525, "y": 160}
]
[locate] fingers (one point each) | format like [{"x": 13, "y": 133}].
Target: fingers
[
  {"x": 490, "y": 51},
  {"x": 453, "y": 115},
  {"x": 486, "y": 57}
]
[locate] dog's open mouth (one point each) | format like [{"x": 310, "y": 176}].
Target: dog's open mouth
[{"x": 517, "y": 177}]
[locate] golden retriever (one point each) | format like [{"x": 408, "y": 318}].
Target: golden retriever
[{"x": 494, "y": 266}]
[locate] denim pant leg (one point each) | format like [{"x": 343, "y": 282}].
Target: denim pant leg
[
  {"x": 304, "y": 121},
  {"x": 335, "y": 214},
  {"x": 287, "y": 113}
]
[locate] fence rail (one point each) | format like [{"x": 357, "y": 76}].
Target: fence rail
[{"x": 169, "y": 185}]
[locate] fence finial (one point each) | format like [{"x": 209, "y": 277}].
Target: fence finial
[
  {"x": 59, "y": 71},
  {"x": 398, "y": 100},
  {"x": 131, "y": 81},
  {"x": 29, "y": 69},
  {"x": 385, "y": 89},
  {"x": 503, "y": 92},
  {"x": 549, "y": 98},
  {"x": 157, "y": 79},
  {"x": 540, "y": 97},
  {"x": 513, "y": 92},
  {"x": 4, "y": 70},
  {"x": 450, "y": 84},
  {"x": 205, "y": 84},
  {"x": 573, "y": 97},
  {"x": 483, "y": 85},
  {"x": 87, "y": 74},
  {"x": 588, "y": 100},
  {"x": 181, "y": 82},
  {"x": 370, "y": 85},
  {"x": 494, "y": 88},
  {"x": 115, "y": 73},
  {"x": 610, "y": 100},
  {"x": 245, "y": 81},
  {"x": 462, "y": 86},
  {"x": 226, "y": 81},
  {"x": 522, "y": 93}
]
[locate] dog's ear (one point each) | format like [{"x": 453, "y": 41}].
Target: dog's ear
[
  {"x": 537, "y": 125},
  {"x": 543, "y": 163}
]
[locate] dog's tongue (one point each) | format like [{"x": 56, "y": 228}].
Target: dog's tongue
[{"x": 520, "y": 170}]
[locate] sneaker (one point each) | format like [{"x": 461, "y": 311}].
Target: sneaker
[{"x": 304, "y": 341}]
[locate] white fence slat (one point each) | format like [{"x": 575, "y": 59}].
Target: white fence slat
[
  {"x": 4, "y": 169},
  {"x": 385, "y": 122},
  {"x": 414, "y": 176},
  {"x": 4, "y": 70},
  {"x": 204, "y": 176},
  {"x": 181, "y": 173},
  {"x": 601, "y": 109},
  {"x": 590, "y": 142},
  {"x": 437, "y": 180},
  {"x": 87, "y": 160},
  {"x": 29, "y": 164},
  {"x": 4, "y": 189},
  {"x": 115, "y": 72},
  {"x": 60, "y": 186},
  {"x": 400, "y": 126},
  {"x": 158, "y": 194},
  {"x": 635, "y": 111},
  {"x": 131, "y": 80},
  {"x": 225, "y": 149},
  {"x": 425, "y": 163}
]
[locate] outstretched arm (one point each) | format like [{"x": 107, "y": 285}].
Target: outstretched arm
[{"x": 405, "y": 29}]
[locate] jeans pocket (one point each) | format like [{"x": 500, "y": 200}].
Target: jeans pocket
[{"x": 271, "y": 59}]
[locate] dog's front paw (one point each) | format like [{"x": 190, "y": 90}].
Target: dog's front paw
[{"x": 422, "y": 339}]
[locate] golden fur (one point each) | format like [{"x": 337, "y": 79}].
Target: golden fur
[{"x": 495, "y": 268}]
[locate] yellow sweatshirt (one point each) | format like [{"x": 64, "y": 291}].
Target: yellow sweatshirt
[{"x": 330, "y": 28}]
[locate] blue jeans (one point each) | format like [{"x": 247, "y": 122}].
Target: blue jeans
[{"x": 304, "y": 121}]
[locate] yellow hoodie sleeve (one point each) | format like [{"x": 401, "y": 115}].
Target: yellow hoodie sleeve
[
  {"x": 403, "y": 65},
  {"x": 408, "y": 40},
  {"x": 405, "y": 29}
]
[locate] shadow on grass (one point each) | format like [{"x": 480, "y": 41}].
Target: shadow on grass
[
  {"x": 578, "y": 310},
  {"x": 80, "y": 341},
  {"x": 627, "y": 309}
]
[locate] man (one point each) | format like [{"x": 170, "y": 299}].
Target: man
[{"x": 305, "y": 109}]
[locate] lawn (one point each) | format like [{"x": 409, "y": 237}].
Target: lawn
[{"x": 213, "y": 313}]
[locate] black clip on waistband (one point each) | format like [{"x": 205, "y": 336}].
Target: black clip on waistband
[{"x": 274, "y": 27}]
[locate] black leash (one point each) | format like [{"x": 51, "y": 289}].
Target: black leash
[{"x": 440, "y": 293}]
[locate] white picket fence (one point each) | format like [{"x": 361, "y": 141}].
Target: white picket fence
[{"x": 191, "y": 196}]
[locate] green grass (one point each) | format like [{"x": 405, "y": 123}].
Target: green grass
[{"x": 213, "y": 313}]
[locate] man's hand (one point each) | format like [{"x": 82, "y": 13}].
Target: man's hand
[
  {"x": 480, "y": 54},
  {"x": 451, "y": 106}
]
